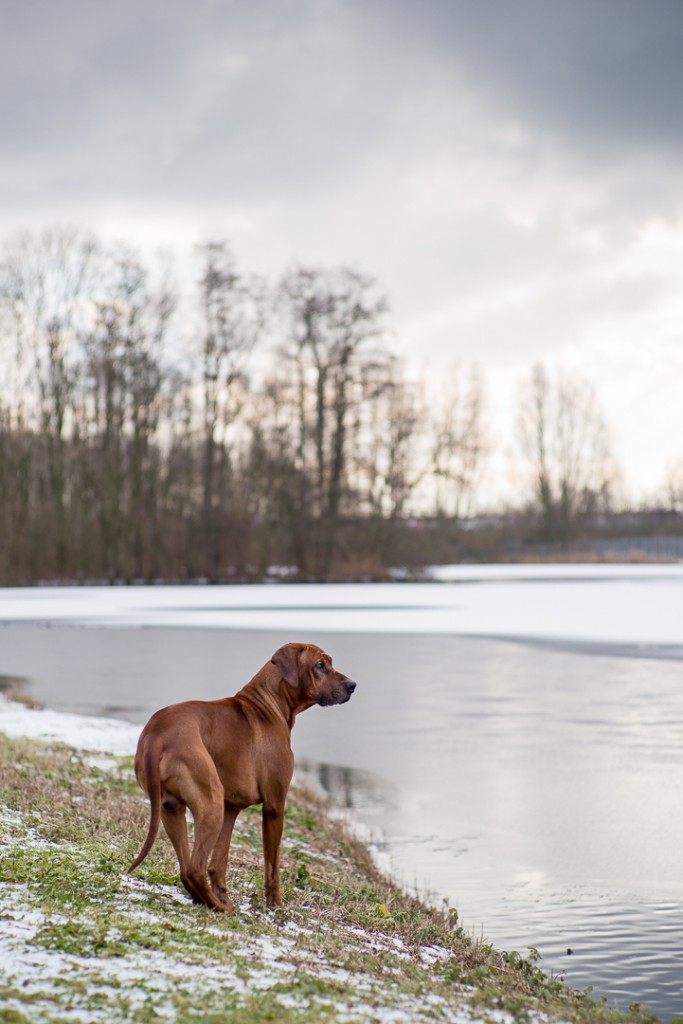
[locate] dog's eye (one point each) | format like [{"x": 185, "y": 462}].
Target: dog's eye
[{"x": 321, "y": 666}]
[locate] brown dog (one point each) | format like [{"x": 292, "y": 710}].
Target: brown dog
[{"x": 218, "y": 757}]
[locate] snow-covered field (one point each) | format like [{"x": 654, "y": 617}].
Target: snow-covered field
[{"x": 615, "y": 604}]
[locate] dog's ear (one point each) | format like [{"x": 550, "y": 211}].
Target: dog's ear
[{"x": 287, "y": 660}]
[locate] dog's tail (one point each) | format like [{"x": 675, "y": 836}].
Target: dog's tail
[{"x": 153, "y": 787}]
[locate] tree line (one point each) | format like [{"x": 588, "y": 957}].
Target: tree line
[{"x": 213, "y": 428}]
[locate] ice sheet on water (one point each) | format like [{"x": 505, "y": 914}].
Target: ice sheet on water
[{"x": 613, "y": 604}]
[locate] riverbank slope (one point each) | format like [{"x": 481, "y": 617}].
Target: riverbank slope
[{"x": 83, "y": 941}]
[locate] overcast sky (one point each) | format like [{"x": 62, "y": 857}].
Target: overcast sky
[{"x": 510, "y": 170}]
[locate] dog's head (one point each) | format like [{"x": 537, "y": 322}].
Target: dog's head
[{"x": 309, "y": 670}]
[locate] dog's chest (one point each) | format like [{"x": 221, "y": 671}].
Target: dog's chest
[{"x": 262, "y": 779}]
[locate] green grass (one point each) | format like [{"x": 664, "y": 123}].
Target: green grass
[{"x": 87, "y": 942}]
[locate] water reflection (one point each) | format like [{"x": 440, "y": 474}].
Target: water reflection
[
  {"x": 348, "y": 789},
  {"x": 624, "y": 946}
]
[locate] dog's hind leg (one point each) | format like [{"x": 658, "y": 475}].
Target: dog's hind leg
[
  {"x": 219, "y": 859},
  {"x": 173, "y": 817},
  {"x": 203, "y": 794}
]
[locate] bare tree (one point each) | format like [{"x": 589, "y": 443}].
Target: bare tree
[
  {"x": 389, "y": 462},
  {"x": 233, "y": 313},
  {"x": 180, "y": 475},
  {"x": 121, "y": 405},
  {"x": 337, "y": 359},
  {"x": 121, "y": 458},
  {"x": 458, "y": 441},
  {"x": 47, "y": 281},
  {"x": 564, "y": 441},
  {"x": 673, "y": 486}
]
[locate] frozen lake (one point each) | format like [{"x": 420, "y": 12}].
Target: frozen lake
[{"x": 536, "y": 785}]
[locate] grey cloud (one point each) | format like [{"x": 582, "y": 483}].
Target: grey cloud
[
  {"x": 181, "y": 96},
  {"x": 604, "y": 74},
  {"x": 208, "y": 100},
  {"x": 310, "y": 116}
]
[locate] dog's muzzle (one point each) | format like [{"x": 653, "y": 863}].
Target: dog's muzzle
[{"x": 339, "y": 695}]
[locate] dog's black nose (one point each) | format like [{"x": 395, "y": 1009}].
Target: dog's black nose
[{"x": 350, "y": 685}]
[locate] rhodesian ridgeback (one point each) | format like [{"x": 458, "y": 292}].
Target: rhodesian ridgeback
[{"x": 219, "y": 756}]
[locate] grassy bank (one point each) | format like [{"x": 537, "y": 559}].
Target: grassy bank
[{"x": 83, "y": 941}]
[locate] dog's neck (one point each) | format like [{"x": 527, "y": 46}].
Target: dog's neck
[{"x": 273, "y": 696}]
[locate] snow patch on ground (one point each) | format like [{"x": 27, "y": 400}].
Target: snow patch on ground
[
  {"x": 104, "y": 735},
  {"x": 264, "y": 963}
]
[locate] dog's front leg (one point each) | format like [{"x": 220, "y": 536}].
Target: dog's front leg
[{"x": 273, "y": 823}]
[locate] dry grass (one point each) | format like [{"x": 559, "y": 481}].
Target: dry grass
[{"x": 633, "y": 556}]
